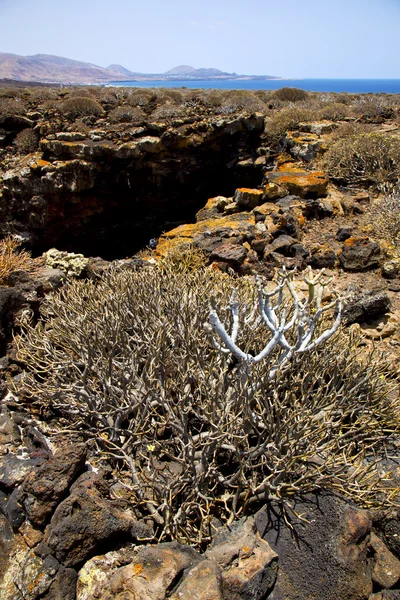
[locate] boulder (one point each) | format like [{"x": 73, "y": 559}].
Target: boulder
[
  {"x": 282, "y": 244},
  {"x": 313, "y": 184},
  {"x": 324, "y": 553},
  {"x": 46, "y": 486},
  {"x": 249, "y": 564},
  {"x": 233, "y": 254},
  {"x": 208, "y": 233},
  {"x": 23, "y": 574},
  {"x": 213, "y": 208},
  {"x": 11, "y": 300},
  {"x": 365, "y": 307},
  {"x": 247, "y": 199},
  {"x": 69, "y": 263},
  {"x": 386, "y": 571},
  {"x": 323, "y": 257},
  {"x": 359, "y": 254},
  {"x": 304, "y": 146},
  {"x": 88, "y": 520},
  {"x": 152, "y": 573}
]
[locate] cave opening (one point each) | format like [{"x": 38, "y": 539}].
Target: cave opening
[{"x": 122, "y": 213}]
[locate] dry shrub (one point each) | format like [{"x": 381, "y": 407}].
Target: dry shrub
[
  {"x": 212, "y": 98},
  {"x": 168, "y": 112},
  {"x": 241, "y": 100},
  {"x": 287, "y": 119},
  {"x": 384, "y": 217},
  {"x": 12, "y": 259},
  {"x": 124, "y": 361},
  {"x": 289, "y": 94},
  {"x": 39, "y": 95},
  {"x": 365, "y": 159},
  {"x": 142, "y": 98},
  {"x": 351, "y": 129},
  {"x": 334, "y": 111},
  {"x": 80, "y": 106},
  {"x": 11, "y": 106},
  {"x": 27, "y": 141},
  {"x": 126, "y": 114},
  {"x": 373, "y": 109}
]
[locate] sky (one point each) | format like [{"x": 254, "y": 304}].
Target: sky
[{"x": 285, "y": 38}]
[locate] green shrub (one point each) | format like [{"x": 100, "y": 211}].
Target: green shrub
[
  {"x": 80, "y": 106},
  {"x": 289, "y": 94},
  {"x": 125, "y": 361},
  {"x": 365, "y": 159}
]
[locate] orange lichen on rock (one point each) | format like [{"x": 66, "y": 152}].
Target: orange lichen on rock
[
  {"x": 185, "y": 234},
  {"x": 137, "y": 569},
  {"x": 302, "y": 183}
]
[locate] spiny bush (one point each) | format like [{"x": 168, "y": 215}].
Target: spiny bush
[
  {"x": 12, "y": 259},
  {"x": 384, "y": 217},
  {"x": 124, "y": 361},
  {"x": 289, "y": 94},
  {"x": 126, "y": 114},
  {"x": 335, "y": 111},
  {"x": 80, "y": 106},
  {"x": 11, "y": 106},
  {"x": 26, "y": 141},
  {"x": 365, "y": 159},
  {"x": 142, "y": 98},
  {"x": 287, "y": 119},
  {"x": 373, "y": 109},
  {"x": 238, "y": 100},
  {"x": 167, "y": 112}
]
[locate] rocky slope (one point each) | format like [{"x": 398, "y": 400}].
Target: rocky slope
[{"x": 252, "y": 204}]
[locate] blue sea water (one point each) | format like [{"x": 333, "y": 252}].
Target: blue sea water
[{"x": 355, "y": 86}]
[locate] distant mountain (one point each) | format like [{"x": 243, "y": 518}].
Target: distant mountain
[
  {"x": 186, "y": 71},
  {"x": 45, "y": 68},
  {"x": 48, "y": 68},
  {"x": 121, "y": 70}
]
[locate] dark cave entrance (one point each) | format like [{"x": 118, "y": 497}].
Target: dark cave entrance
[{"x": 128, "y": 207}]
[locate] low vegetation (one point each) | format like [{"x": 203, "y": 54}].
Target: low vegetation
[
  {"x": 81, "y": 106},
  {"x": 13, "y": 258},
  {"x": 124, "y": 362},
  {"x": 365, "y": 159}
]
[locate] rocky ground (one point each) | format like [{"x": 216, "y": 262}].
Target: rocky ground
[{"x": 67, "y": 531}]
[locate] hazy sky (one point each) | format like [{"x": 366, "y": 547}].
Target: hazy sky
[{"x": 287, "y": 38}]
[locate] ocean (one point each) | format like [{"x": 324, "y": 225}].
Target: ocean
[{"x": 355, "y": 86}]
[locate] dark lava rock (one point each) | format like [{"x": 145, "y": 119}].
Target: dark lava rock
[
  {"x": 323, "y": 257},
  {"x": 87, "y": 521},
  {"x": 300, "y": 251},
  {"x": 10, "y": 302},
  {"x": 44, "y": 488},
  {"x": 365, "y": 307},
  {"x": 63, "y": 586},
  {"x": 233, "y": 254},
  {"x": 344, "y": 233},
  {"x": 359, "y": 254},
  {"x": 247, "y": 199},
  {"x": 282, "y": 244},
  {"x": 325, "y": 556},
  {"x": 14, "y": 469},
  {"x": 13, "y": 510}
]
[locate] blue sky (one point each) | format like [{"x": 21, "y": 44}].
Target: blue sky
[{"x": 287, "y": 38}]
